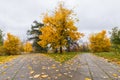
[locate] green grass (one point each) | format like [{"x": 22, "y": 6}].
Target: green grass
[
  {"x": 62, "y": 57},
  {"x": 111, "y": 56},
  {"x": 4, "y": 59}
]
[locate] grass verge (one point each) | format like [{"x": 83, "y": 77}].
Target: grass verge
[
  {"x": 4, "y": 59},
  {"x": 62, "y": 57},
  {"x": 111, "y": 56}
]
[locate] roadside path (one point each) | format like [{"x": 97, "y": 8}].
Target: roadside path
[{"x": 40, "y": 67}]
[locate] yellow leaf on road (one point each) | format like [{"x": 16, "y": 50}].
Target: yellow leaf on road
[
  {"x": 3, "y": 73},
  {"x": 44, "y": 76},
  {"x": 115, "y": 75},
  {"x": 43, "y": 67},
  {"x": 29, "y": 67},
  {"x": 31, "y": 72},
  {"x": 59, "y": 74},
  {"x": 70, "y": 76},
  {"x": 118, "y": 70},
  {"x": 37, "y": 76},
  {"x": 22, "y": 76},
  {"x": 88, "y": 79},
  {"x": 65, "y": 73},
  {"x": 54, "y": 65},
  {"x": 57, "y": 70},
  {"x": 5, "y": 66}
]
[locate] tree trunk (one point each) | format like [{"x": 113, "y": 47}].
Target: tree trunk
[
  {"x": 68, "y": 49},
  {"x": 56, "y": 50},
  {"x": 60, "y": 49}
]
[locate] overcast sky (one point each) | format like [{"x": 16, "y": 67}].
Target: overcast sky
[{"x": 16, "y": 16}]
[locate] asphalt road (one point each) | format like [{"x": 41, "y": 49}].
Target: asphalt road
[{"x": 40, "y": 67}]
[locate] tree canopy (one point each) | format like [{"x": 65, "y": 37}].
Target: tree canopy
[
  {"x": 1, "y": 37},
  {"x": 12, "y": 44},
  {"x": 115, "y": 35},
  {"x": 115, "y": 39},
  {"x": 34, "y": 33},
  {"x": 58, "y": 26},
  {"x": 27, "y": 47},
  {"x": 99, "y": 42}
]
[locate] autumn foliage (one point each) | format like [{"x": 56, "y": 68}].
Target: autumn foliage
[
  {"x": 27, "y": 47},
  {"x": 12, "y": 45},
  {"x": 58, "y": 27},
  {"x": 99, "y": 42}
]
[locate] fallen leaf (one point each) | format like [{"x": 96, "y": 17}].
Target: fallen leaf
[
  {"x": 118, "y": 70},
  {"x": 60, "y": 64},
  {"x": 29, "y": 67},
  {"x": 42, "y": 73},
  {"x": 70, "y": 75},
  {"x": 53, "y": 65},
  {"x": 57, "y": 70},
  {"x": 105, "y": 77},
  {"x": 56, "y": 77},
  {"x": 43, "y": 67},
  {"x": 5, "y": 66},
  {"x": 69, "y": 72},
  {"x": 48, "y": 67},
  {"x": 59, "y": 74},
  {"x": 22, "y": 76},
  {"x": 3, "y": 73},
  {"x": 44, "y": 76},
  {"x": 37, "y": 76},
  {"x": 49, "y": 78},
  {"x": 30, "y": 77},
  {"x": 65, "y": 73},
  {"x": 88, "y": 79},
  {"x": 115, "y": 75},
  {"x": 31, "y": 72},
  {"x": 8, "y": 77}
]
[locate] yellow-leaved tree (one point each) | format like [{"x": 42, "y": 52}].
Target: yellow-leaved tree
[
  {"x": 58, "y": 27},
  {"x": 99, "y": 42},
  {"x": 12, "y": 44},
  {"x": 27, "y": 47}
]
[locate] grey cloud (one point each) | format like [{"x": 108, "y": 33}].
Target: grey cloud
[{"x": 94, "y": 15}]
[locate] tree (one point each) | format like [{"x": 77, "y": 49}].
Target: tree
[
  {"x": 99, "y": 42},
  {"x": 12, "y": 44},
  {"x": 115, "y": 39},
  {"x": 84, "y": 47},
  {"x": 34, "y": 35},
  {"x": 1, "y": 43},
  {"x": 58, "y": 27},
  {"x": 1, "y": 38},
  {"x": 27, "y": 47}
]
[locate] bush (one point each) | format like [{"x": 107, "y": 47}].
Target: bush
[
  {"x": 12, "y": 45},
  {"x": 2, "y": 51}
]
